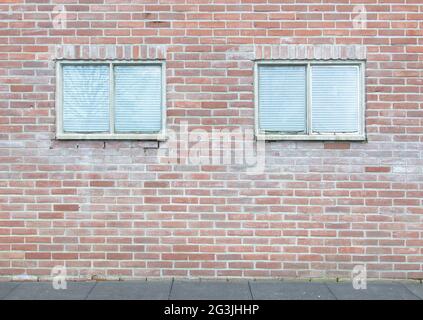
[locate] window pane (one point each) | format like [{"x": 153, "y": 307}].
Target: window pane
[
  {"x": 85, "y": 98},
  {"x": 282, "y": 98},
  {"x": 335, "y": 98},
  {"x": 138, "y": 98}
]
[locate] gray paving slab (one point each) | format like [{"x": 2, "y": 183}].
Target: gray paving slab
[
  {"x": 45, "y": 291},
  {"x": 415, "y": 288},
  {"x": 6, "y": 288},
  {"x": 284, "y": 290},
  {"x": 374, "y": 291},
  {"x": 210, "y": 290},
  {"x": 131, "y": 290}
]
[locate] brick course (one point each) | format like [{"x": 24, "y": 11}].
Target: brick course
[{"x": 109, "y": 209}]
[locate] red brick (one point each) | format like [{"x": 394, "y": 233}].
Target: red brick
[
  {"x": 378, "y": 169},
  {"x": 22, "y": 88},
  {"x": 337, "y": 145},
  {"x": 102, "y": 184},
  {"x": 66, "y": 207}
]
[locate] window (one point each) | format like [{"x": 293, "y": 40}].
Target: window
[
  {"x": 110, "y": 100},
  {"x": 318, "y": 100}
]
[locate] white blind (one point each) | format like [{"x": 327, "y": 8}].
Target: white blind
[
  {"x": 335, "y": 99},
  {"x": 85, "y": 98},
  {"x": 282, "y": 98},
  {"x": 138, "y": 98}
]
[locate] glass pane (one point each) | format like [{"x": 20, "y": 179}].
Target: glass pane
[
  {"x": 85, "y": 98},
  {"x": 138, "y": 98},
  {"x": 335, "y": 99},
  {"x": 282, "y": 98}
]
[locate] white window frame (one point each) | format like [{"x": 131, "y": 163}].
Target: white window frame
[
  {"x": 112, "y": 135},
  {"x": 360, "y": 135}
]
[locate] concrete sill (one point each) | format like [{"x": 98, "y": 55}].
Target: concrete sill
[
  {"x": 105, "y": 136},
  {"x": 314, "y": 137}
]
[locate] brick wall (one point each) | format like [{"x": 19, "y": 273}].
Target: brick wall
[{"x": 111, "y": 209}]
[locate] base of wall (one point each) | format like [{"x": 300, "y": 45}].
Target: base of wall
[{"x": 105, "y": 279}]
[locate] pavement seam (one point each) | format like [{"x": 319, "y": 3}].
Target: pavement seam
[
  {"x": 331, "y": 292},
  {"x": 91, "y": 290},
  {"x": 251, "y": 291},
  {"x": 410, "y": 291},
  {"x": 13, "y": 289},
  {"x": 171, "y": 288}
]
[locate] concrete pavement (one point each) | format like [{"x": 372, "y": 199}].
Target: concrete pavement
[{"x": 211, "y": 290}]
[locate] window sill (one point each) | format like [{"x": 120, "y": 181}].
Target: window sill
[
  {"x": 312, "y": 137},
  {"x": 105, "y": 136}
]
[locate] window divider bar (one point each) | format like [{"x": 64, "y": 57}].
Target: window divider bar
[
  {"x": 308, "y": 99},
  {"x": 111, "y": 98}
]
